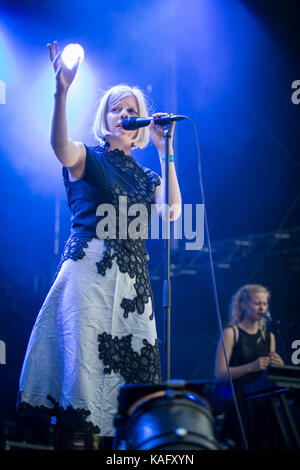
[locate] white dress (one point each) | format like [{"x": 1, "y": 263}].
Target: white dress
[{"x": 96, "y": 329}]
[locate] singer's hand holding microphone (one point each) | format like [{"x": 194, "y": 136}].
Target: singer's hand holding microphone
[
  {"x": 155, "y": 123},
  {"x": 160, "y": 119},
  {"x": 157, "y": 132}
]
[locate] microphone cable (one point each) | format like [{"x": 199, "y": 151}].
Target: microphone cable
[{"x": 215, "y": 290}]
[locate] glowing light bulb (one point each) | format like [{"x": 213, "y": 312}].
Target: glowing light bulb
[{"x": 71, "y": 54}]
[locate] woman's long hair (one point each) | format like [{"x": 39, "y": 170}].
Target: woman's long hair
[{"x": 237, "y": 313}]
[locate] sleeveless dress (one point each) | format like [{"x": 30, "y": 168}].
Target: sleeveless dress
[
  {"x": 258, "y": 417},
  {"x": 96, "y": 328}
]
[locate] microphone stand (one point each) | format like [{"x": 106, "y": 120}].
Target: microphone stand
[
  {"x": 275, "y": 323},
  {"x": 167, "y": 277}
]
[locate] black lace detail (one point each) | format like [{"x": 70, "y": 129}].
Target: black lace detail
[
  {"x": 132, "y": 259},
  {"x": 146, "y": 178},
  {"x": 118, "y": 356},
  {"x": 73, "y": 249},
  {"x": 131, "y": 254},
  {"x": 69, "y": 417}
]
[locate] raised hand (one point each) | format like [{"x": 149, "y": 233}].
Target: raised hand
[{"x": 64, "y": 76}]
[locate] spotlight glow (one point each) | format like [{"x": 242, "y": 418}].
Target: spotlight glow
[{"x": 71, "y": 54}]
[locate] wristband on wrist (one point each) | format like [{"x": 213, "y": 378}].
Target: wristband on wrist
[{"x": 171, "y": 158}]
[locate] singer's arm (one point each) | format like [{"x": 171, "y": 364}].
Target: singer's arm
[
  {"x": 274, "y": 356},
  {"x": 175, "y": 195},
  {"x": 71, "y": 154}
]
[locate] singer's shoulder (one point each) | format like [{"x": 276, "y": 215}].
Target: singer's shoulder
[
  {"x": 231, "y": 333},
  {"x": 99, "y": 149},
  {"x": 96, "y": 152},
  {"x": 95, "y": 158}
]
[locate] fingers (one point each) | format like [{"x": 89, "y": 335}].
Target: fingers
[
  {"x": 56, "y": 47},
  {"x": 264, "y": 362},
  {"x": 275, "y": 358},
  {"x": 155, "y": 128},
  {"x": 160, "y": 128},
  {"x": 54, "y": 52},
  {"x": 58, "y": 71},
  {"x": 51, "y": 53},
  {"x": 159, "y": 114}
]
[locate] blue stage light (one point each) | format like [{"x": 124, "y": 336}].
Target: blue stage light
[{"x": 71, "y": 54}]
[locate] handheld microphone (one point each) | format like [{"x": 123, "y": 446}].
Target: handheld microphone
[
  {"x": 134, "y": 123},
  {"x": 268, "y": 316}
]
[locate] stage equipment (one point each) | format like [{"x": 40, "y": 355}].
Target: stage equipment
[
  {"x": 227, "y": 253},
  {"x": 174, "y": 415},
  {"x": 165, "y": 122},
  {"x": 278, "y": 384}
]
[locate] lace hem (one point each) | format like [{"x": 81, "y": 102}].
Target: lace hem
[{"x": 69, "y": 417}]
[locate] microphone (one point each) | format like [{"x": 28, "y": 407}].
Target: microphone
[
  {"x": 134, "y": 123},
  {"x": 271, "y": 322},
  {"x": 268, "y": 316}
]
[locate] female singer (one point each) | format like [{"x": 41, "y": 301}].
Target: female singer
[{"x": 96, "y": 328}]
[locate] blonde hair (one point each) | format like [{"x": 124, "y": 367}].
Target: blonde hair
[
  {"x": 237, "y": 313},
  {"x": 112, "y": 96}
]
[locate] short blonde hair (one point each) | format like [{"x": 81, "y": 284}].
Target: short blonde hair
[
  {"x": 112, "y": 96},
  {"x": 244, "y": 294}
]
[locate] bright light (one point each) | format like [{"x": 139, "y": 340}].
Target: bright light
[{"x": 71, "y": 54}]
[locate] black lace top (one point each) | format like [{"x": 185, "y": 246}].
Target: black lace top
[
  {"x": 247, "y": 348},
  {"x": 109, "y": 175}
]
